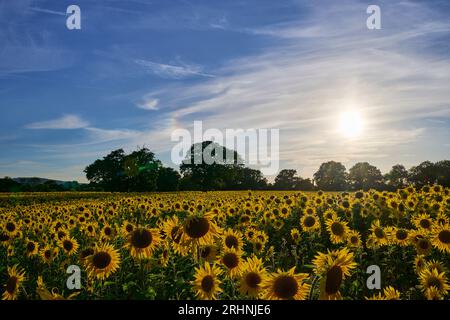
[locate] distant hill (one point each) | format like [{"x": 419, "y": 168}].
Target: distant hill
[{"x": 33, "y": 181}]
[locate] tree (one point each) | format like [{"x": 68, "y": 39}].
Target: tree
[
  {"x": 443, "y": 173},
  {"x": 286, "y": 180},
  {"x": 364, "y": 176},
  {"x": 210, "y": 166},
  {"x": 423, "y": 174},
  {"x": 331, "y": 176},
  {"x": 397, "y": 178},
  {"x": 249, "y": 179},
  {"x": 117, "y": 171},
  {"x": 168, "y": 179}
]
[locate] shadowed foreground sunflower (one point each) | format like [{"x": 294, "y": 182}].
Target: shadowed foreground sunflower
[
  {"x": 142, "y": 242},
  {"x": 286, "y": 285},
  {"x": 15, "y": 277},
  {"x": 441, "y": 238},
  {"x": 252, "y": 277},
  {"x": 199, "y": 230},
  {"x": 432, "y": 278},
  {"x": 103, "y": 262},
  {"x": 333, "y": 268},
  {"x": 207, "y": 283}
]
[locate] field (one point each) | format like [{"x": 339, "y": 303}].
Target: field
[{"x": 226, "y": 245}]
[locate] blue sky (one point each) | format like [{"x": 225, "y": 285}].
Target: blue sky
[{"x": 138, "y": 70}]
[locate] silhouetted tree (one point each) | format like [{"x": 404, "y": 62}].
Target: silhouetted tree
[
  {"x": 423, "y": 174},
  {"x": 168, "y": 179},
  {"x": 364, "y": 176},
  {"x": 210, "y": 166},
  {"x": 397, "y": 178},
  {"x": 117, "y": 171},
  {"x": 286, "y": 180},
  {"x": 443, "y": 173},
  {"x": 248, "y": 179},
  {"x": 331, "y": 176}
]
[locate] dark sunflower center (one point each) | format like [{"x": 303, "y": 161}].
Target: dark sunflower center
[
  {"x": 444, "y": 236},
  {"x": 230, "y": 260},
  {"x": 285, "y": 287},
  {"x": 258, "y": 246},
  {"x": 207, "y": 283},
  {"x": 425, "y": 223},
  {"x": 47, "y": 254},
  {"x": 108, "y": 231},
  {"x": 310, "y": 221},
  {"x": 337, "y": 228},
  {"x": 30, "y": 246},
  {"x": 141, "y": 238},
  {"x": 334, "y": 280},
  {"x": 379, "y": 233},
  {"x": 231, "y": 242},
  {"x": 434, "y": 282},
  {"x": 205, "y": 252},
  {"x": 245, "y": 218},
  {"x": 68, "y": 245},
  {"x": 101, "y": 260},
  {"x": 252, "y": 279},
  {"x": 11, "y": 284},
  {"x": 197, "y": 227},
  {"x": 401, "y": 234},
  {"x": 10, "y": 226},
  {"x": 354, "y": 239},
  {"x": 176, "y": 234},
  {"x": 129, "y": 228},
  {"x": 423, "y": 244}
]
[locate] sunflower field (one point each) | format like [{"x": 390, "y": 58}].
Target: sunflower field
[{"x": 226, "y": 245}]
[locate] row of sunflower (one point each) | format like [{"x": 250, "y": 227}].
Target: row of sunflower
[{"x": 227, "y": 245}]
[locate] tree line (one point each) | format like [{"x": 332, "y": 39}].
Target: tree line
[{"x": 141, "y": 171}]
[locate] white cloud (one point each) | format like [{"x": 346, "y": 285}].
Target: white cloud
[
  {"x": 151, "y": 104},
  {"x": 172, "y": 71},
  {"x": 65, "y": 122}
]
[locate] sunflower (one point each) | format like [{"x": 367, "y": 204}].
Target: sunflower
[
  {"x": 44, "y": 294},
  {"x": 338, "y": 230},
  {"x": 103, "y": 262},
  {"x": 48, "y": 254},
  {"x": 310, "y": 223},
  {"x": 399, "y": 236},
  {"x": 390, "y": 293},
  {"x": 107, "y": 232},
  {"x": 419, "y": 263},
  {"x": 15, "y": 277},
  {"x": 423, "y": 221},
  {"x": 354, "y": 239},
  {"x": 295, "y": 235},
  {"x": 442, "y": 219},
  {"x": 232, "y": 239},
  {"x": 199, "y": 230},
  {"x": 207, "y": 283},
  {"x": 252, "y": 276},
  {"x": 286, "y": 285},
  {"x": 11, "y": 228},
  {"x": 208, "y": 252},
  {"x": 32, "y": 248},
  {"x": 432, "y": 278},
  {"x": 333, "y": 268},
  {"x": 173, "y": 231},
  {"x": 441, "y": 238},
  {"x": 378, "y": 234},
  {"x": 423, "y": 246},
  {"x": 232, "y": 261},
  {"x": 69, "y": 245},
  {"x": 434, "y": 264},
  {"x": 126, "y": 228},
  {"x": 142, "y": 242}
]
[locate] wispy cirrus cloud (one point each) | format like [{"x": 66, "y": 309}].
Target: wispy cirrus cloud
[
  {"x": 150, "y": 104},
  {"x": 172, "y": 71},
  {"x": 42, "y": 10},
  {"x": 65, "y": 122}
]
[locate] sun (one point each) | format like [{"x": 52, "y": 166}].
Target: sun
[{"x": 350, "y": 124}]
